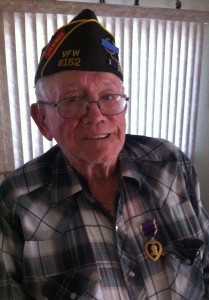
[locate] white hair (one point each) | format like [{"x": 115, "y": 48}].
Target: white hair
[{"x": 43, "y": 88}]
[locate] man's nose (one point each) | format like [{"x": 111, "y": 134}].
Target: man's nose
[
  {"x": 93, "y": 113},
  {"x": 96, "y": 104}
]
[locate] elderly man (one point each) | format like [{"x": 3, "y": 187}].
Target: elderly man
[{"x": 101, "y": 215}]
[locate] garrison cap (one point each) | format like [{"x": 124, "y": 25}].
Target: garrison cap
[{"x": 83, "y": 44}]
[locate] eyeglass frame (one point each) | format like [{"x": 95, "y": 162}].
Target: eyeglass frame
[{"x": 56, "y": 105}]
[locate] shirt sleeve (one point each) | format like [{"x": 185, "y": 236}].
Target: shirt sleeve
[
  {"x": 203, "y": 218},
  {"x": 11, "y": 250}
]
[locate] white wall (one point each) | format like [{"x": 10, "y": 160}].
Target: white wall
[
  {"x": 186, "y": 4},
  {"x": 201, "y": 161}
]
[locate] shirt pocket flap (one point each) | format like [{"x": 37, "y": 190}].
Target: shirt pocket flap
[{"x": 186, "y": 249}]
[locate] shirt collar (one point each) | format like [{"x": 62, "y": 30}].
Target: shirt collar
[
  {"x": 63, "y": 180},
  {"x": 66, "y": 182},
  {"x": 128, "y": 167}
]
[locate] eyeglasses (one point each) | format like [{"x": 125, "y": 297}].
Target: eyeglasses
[{"x": 76, "y": 107}]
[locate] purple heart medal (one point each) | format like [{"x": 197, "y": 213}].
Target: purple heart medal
[{"x": 153, "y": 248}]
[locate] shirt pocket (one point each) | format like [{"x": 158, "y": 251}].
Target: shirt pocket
[
  {"x": 55, "y": 269},
  {"x": 183, "y": 265}
]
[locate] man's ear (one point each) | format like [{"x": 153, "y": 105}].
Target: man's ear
[{"x": 38, "y": 115}]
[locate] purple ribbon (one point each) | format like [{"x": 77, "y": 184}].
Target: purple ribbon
[{"x": 149, "y": 228}]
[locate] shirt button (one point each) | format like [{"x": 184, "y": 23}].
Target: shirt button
[
  {"x": 116, "y": 228},
  {"x": 73, "y": 296},
  {"x": 188, "y": 261},
  {"x": 131, "y": 274}
]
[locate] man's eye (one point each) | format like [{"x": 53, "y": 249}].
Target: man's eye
[
  {"x": 72, "y": 99},
  {"x": 108, "y": 97}
]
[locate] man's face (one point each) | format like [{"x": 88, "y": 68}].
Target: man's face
[{"x": 94, "y": 138}]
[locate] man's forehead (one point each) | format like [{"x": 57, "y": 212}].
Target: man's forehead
[{"x": 60, "y": 84}]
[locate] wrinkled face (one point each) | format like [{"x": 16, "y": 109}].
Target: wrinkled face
[{"x": 94, "y": 138}]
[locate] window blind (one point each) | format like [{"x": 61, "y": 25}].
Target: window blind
[{"x": 160, "y": 58}]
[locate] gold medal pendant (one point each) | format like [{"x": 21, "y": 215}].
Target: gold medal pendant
[{"x": 153, "y": 249}]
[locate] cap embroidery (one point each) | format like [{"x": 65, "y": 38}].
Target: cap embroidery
[
  {"x": 109, "y": 46},
  {"x": 52, "y": 47}
]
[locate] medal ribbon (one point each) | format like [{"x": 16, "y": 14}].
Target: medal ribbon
[
  {"x": 153, "y": 248},
  {"x": 149, "y": 228}
]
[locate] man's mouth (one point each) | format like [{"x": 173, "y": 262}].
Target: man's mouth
[{"x": 99, "y": 136}]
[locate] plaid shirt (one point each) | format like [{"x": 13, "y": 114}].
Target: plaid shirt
[{"x": 57, "y": 242}]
